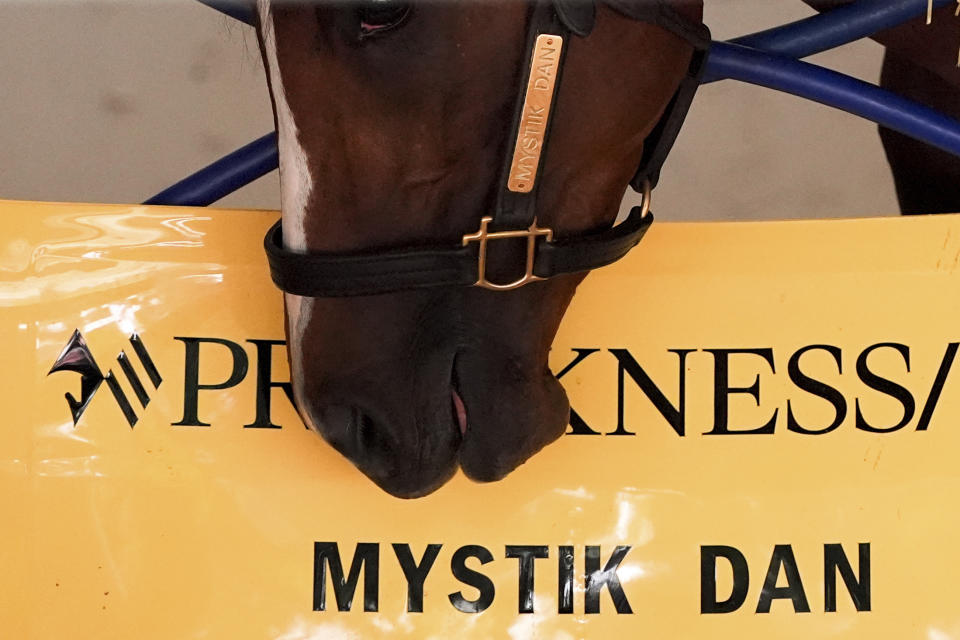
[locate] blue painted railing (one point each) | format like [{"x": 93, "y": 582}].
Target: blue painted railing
[{"x": 768, "y": 59}]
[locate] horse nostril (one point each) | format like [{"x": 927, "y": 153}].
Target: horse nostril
[
  {"x": 350, "y": 431},
  {"x": 338, "y": 424},
  {"x": 365, "y": 432}
]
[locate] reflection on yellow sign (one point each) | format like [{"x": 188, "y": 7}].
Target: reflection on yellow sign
[{"x": 763, "y": 446}]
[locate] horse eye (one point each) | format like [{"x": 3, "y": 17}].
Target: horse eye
[{"x": 377, "y": 16}]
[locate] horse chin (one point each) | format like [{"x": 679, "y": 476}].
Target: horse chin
[
  {"x": 509, "y": 418},
  {"x": 514, "y": 405}
]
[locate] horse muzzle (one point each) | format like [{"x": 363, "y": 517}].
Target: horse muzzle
[{"x": 411, "y": 386}]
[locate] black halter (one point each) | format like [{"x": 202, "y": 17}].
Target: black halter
[{"x": 551, "y": 25}]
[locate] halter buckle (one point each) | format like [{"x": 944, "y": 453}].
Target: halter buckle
[{"x": 483, "y": 236}]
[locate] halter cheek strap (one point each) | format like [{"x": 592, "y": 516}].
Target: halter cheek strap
[{"x": 551, "y": 26}]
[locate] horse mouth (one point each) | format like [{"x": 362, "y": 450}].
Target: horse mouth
[
  {"x": 459, "y": 411},
  {"x": 413, "y": 444},
  {"x": 459, "y": 408},
  {"x": 438, "y": 398}
]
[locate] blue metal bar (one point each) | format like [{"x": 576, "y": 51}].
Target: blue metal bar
[
  {"x": 224, "y": 176},
  {"x": 798, "y": 39},
  {"x": 837, "y": 27},
  {"x": 839, "y": 91},
  {"x": 237, "y": 10}
]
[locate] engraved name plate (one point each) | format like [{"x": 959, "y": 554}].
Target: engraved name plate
[{"x": 536, "y": 113}]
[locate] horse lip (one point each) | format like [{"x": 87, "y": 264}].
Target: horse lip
[
  {"x": 459, "y": 407},
  {"x": 460, "y": 411}
]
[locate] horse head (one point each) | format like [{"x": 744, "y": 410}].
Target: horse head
[{"x": 395, "y": 120}]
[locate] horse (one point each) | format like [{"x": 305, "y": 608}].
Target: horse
[
  {"x": 400, "y": 127},
  {"x": 394, "y": 120}
]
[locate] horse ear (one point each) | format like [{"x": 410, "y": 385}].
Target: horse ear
[{"x": 578, "y": 15}]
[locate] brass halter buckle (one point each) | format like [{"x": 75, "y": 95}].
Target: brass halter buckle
[{"x": 482, "y": 236}]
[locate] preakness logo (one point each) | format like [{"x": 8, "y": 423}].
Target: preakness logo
[
  {"x": 882, "y": 373},
  {"x": 77, "y": 358}
]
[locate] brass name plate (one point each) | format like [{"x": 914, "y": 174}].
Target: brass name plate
[{"x": 536, "y": 113}]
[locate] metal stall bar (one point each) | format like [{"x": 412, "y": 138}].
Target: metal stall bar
[
  {"x": 237, "y": 10},
  {"x": 836, "y": 28},
  {"x": 223, "y": 177},
  {"x": 839, "y": 91},
  {"x": 795, "y": 40},
  {"x": 234, "y": 170}
]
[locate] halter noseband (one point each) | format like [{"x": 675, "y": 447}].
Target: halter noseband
[{"x": 514, "y": 216}]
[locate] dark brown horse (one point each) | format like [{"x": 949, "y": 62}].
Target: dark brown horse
[{"x": 394, "y": 120}]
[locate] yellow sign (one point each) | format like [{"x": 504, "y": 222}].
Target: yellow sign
[{"x": 763, "y": 445}]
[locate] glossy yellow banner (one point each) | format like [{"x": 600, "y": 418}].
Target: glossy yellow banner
[{"x": 764, "y": 445}]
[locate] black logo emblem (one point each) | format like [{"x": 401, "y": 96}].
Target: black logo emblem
[{"x": 76, "y": 357}]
